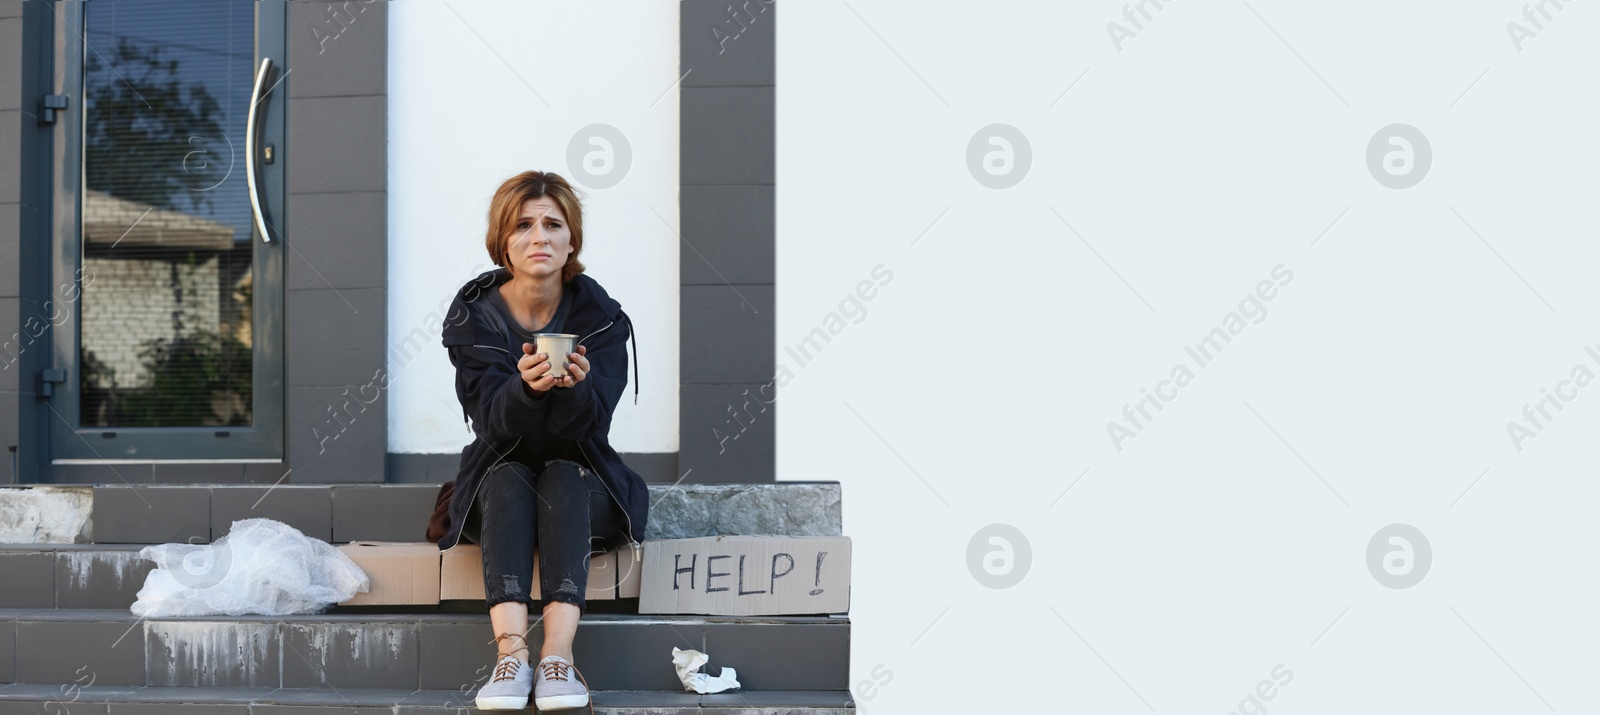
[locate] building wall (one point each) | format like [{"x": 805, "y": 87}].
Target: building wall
[
  {"x": 476, "y": 98},
  {"x": 391, "y": 158},
  {"x": 333, "y": 225},
  {"x": 24, "y": 265},
  {"x": 335, "y": 272}
]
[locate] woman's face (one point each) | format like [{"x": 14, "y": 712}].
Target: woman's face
[{"x": 540, "y": 242}]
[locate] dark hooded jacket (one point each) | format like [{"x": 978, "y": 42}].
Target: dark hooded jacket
[{"x": 501, "y": 407}]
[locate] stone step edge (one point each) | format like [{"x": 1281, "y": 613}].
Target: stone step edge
[{"x": 345, "y": 698}]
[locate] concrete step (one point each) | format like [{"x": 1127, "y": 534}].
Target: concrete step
[
  {"x": 403, "y": 652},
  {"x": 111, "y": 700},
  {"x": 121, "y": 514},
  {"x": 71, "y": 575},
  {"x": 109, "y": 576}
]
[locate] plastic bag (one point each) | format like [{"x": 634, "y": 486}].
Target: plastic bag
[{"x": 261, "y": 567}]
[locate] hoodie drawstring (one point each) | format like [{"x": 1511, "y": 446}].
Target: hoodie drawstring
[{"x": 632, "y": 338}]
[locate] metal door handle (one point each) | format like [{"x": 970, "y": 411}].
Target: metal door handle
[{"x": 251, "y": 127}]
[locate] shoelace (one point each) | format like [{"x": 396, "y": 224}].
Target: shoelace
[
  {"x": 557, "y": 670},
  {"x": 507, "y": 670}
]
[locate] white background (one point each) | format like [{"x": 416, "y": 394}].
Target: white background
[
  {"x": 1177, "y": 573},
  {"x": 1230, "y": 535},
  {"x": 480, "y": 91}
]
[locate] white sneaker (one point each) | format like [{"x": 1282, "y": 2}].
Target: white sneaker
[
  {"x": 555, "y": 688},
  {"x": 508, "y": 688}
]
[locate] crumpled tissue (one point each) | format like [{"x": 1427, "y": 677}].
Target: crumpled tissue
[{"x": 688, "y": 663}]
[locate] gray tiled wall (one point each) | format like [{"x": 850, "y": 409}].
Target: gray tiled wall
[
  {"x": 726, "y": 255},
  {"x": 336, "y": 270},
  {"x": 24, "y": 78}
]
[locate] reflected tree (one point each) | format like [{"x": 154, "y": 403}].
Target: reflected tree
[{"x": 145, "y": 127}]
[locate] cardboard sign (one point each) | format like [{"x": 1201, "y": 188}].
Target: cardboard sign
[
  {"x": 401, "y": 573},
  {"x": 746, "y": 575}
]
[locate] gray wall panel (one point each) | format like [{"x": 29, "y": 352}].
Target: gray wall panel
[
  {"x": 338, "y": 144},
  {"x": 10, "y": 155},
  {"x": 10, "y": 406},
  {"x": 11, "y": 49},
  {"x": 336, "y": 344},
  {"x": 339, "y": 241},
  {"x": 338, "y": 48},
  {"x": 338, "y": 236},
  {"x": 13, "y": 344},
  {"x": 728, "y": 43},
  {"x": 336, "y": 447},
  {"x": 726, "y": 176},
  {"x": 732, "y": 334},
  {"x": 728, "y": 434},
  {"x": 727, "y": 135},
  {"x": 25, "y": 145},
  {"x": 10, "y": 247},
  {"x": 733, "y": 235}
]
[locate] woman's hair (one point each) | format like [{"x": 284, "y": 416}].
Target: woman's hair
[{"x": 507, "y": 205}]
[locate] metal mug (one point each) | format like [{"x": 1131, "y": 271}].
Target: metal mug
[{"x": 557, "y": 346}]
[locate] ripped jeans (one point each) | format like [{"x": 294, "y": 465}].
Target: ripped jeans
[{"x": 564, "y": 512}]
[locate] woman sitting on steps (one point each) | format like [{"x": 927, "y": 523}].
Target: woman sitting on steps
[{"x": 540, "y": 473}]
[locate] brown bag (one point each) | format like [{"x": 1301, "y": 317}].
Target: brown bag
[{"x": 439, "y": 523}]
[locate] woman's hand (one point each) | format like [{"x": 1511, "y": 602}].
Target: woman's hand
[
  {"x": 535, "y": 368},
  {"x": 577, "y": 368}
]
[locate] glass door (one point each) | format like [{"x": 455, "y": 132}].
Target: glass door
[{"x": 168, "y": 217}]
